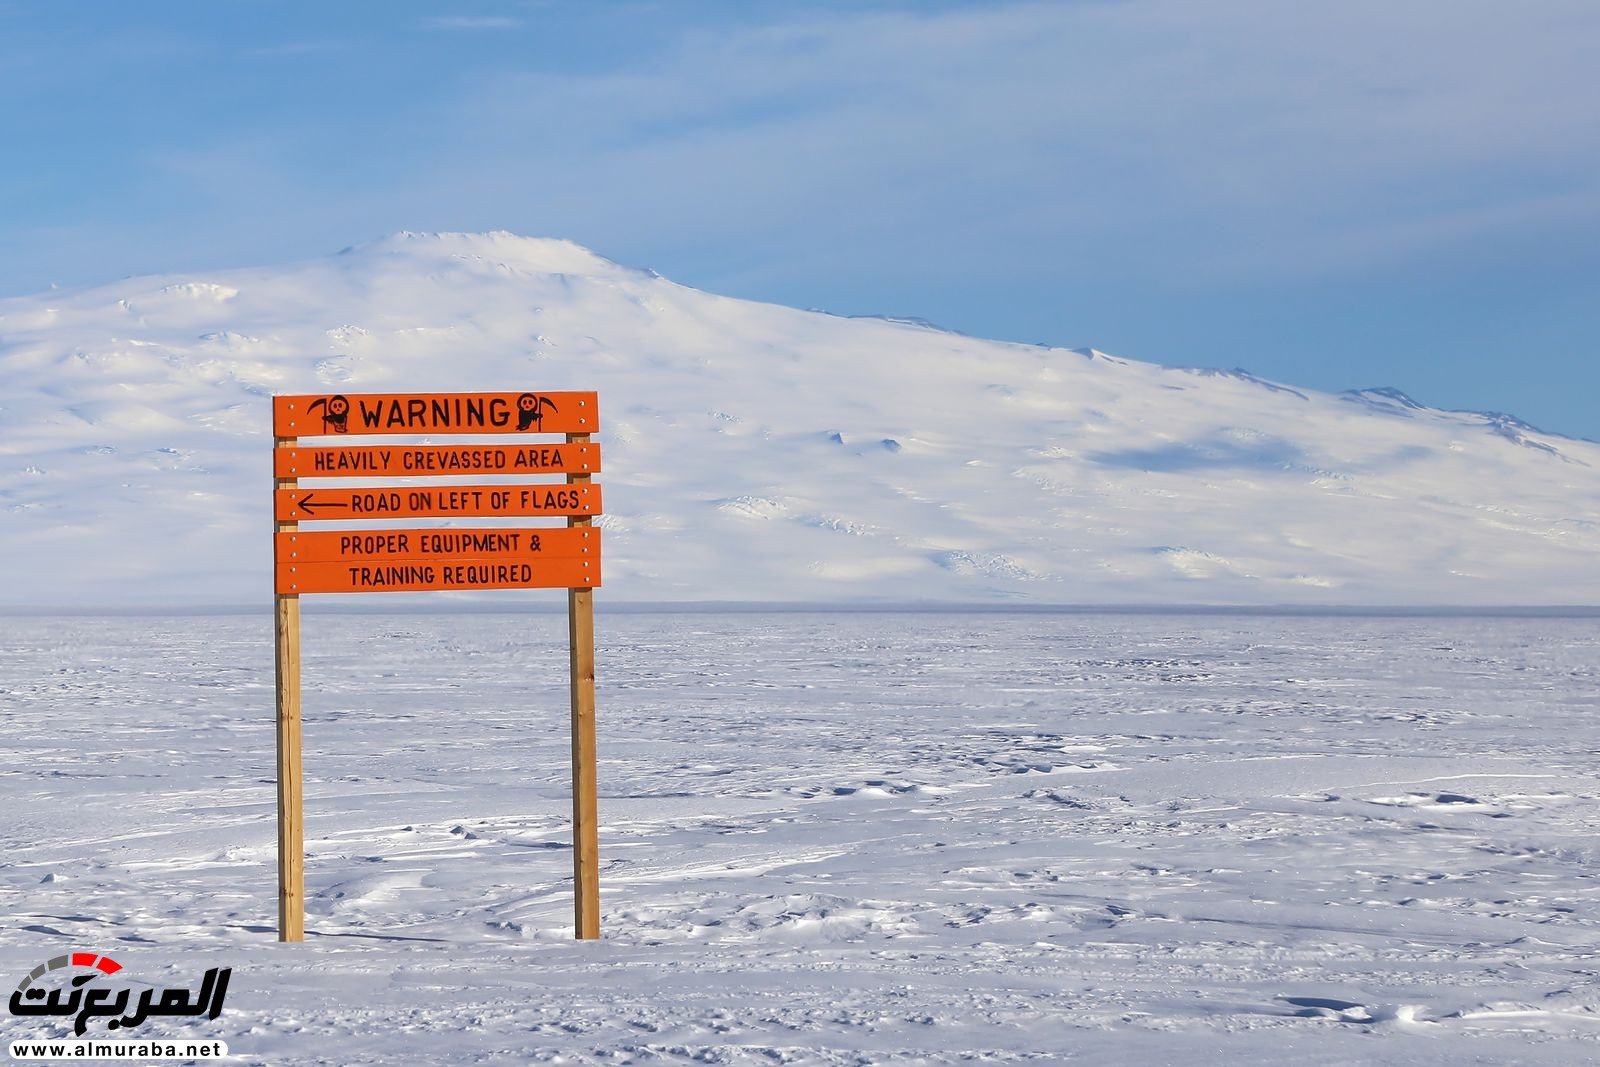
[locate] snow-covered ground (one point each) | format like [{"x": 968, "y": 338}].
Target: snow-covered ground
[
  {"x": 760, "y": 453},
  {"x": 848, "y": 838}
]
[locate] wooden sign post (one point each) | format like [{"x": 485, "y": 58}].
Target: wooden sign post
[
  {"x": 369, "y": 560},
  {"x": 585, "y": 798},
  {"x": 291, "y": 834}
]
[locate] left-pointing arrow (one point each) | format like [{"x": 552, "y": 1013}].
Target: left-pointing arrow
[{"x": 307, "y": 506}]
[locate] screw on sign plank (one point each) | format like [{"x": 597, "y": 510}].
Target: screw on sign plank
[
  {"x": 500, "y": 542},
  {"x": 435, "y": 501},
  {"x": 368, "y": 560},
  {"x": 396, "y": 461},
  {"x": 435, "y": 413}
]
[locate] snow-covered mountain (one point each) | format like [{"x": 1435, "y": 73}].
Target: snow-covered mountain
[{"x": 755, "y": 452}]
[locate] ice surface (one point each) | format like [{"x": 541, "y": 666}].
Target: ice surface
[
  {"x": 841, "y": 839},
  {"x": 759, "y": 453}
]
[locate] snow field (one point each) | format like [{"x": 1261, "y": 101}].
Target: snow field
[{"x": 834, "y": 839}]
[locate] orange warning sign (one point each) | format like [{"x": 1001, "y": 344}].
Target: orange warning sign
[
  {"x": 435, "y": 501},
  {"x": 434, "y": 461},
  {"x": 408, "y": 576},
  {"x": 434, "y": 413},
  {"x": 384, "y": 546}
]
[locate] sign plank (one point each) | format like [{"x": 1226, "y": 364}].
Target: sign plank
[
  {"x": 434, "y": 413},
  {"x": 387, "y": 546},
  {"x": 435, "y": 501},
  {"x": 434, "y": 461},
  {"x": 444, "y": 574},
  {"x": 441, "y": 558}
]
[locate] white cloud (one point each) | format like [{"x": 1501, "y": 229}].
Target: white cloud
[
  {"x": 1238, "y": 135},
  {"x": 293, "y": 49},
  {"x": 471, "y": 22},
  {"x": 1147, "y": 141}
]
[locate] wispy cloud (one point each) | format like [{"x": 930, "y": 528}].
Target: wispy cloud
[
  {"x": 298, "y": 48},
  {"x": 471, "y": 22},
  {"x": 1235, "y": 137},
  {"x": 1155, "y": 140},
  {"x": 1092, "y": 170}
]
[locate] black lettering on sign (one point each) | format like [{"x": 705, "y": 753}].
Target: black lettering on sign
[
  {"x": 551, "y": 499},
  {"x": 388, "y": 577},
  {"x": 456, "y": 459},
  {"x": 325, "y": 462},
  {"x": 374, "y": 503},
  {"x": 537, "y": 459},
  {"x": 374, "y": 544},
  {"x": 448, "y": 543},
  {"x": 460, "y": 499},
  {"x": 441, "y": 412},
  {"x": 485, "y": 573}
]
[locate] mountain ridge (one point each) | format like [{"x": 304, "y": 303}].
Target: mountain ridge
[{"x": 758, "y": 452}]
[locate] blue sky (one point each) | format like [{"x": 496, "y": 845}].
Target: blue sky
[{"x": 1333, "y": 194}]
